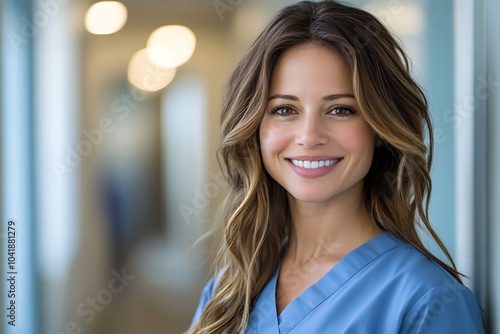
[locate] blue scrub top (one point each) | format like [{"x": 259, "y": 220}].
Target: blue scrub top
[{"x": 384, "y": 286}]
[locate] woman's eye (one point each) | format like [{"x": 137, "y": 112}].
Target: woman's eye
[
  {"x": 282, "y": 111},
  {"x": 342, "y": 111}
]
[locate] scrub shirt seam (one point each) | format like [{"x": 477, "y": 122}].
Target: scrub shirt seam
[
  {"x": 345, "y": 282},
  {"x": 423, "y": 296}
]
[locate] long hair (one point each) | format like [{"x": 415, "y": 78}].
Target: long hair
[{"x": 397, "y": 186}]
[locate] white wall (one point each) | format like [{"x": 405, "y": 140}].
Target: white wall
[
  {"x": 493, "y": 63},
  {"x": 16, "y": 138},
  {"x": 477, "y": 78}
]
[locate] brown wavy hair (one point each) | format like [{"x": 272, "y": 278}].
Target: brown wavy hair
[{"x": 397, "y": 186}]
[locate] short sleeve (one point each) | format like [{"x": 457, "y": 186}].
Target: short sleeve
[
  {"x": 447, "y": 308},
  {"x": 206, "y": 295}
]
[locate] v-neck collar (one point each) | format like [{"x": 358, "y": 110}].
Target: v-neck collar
[{"x": 316, "y": 294}]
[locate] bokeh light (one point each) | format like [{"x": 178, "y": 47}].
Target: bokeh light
[
  {"x": 145, "y": 75},
  {"x": 171, "y": 46},
  {"x": 106, "y": 17}
]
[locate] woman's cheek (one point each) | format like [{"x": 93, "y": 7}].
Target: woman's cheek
[
  {"x": 272, "y": 138},
  {"x": 358, "y": 137}
]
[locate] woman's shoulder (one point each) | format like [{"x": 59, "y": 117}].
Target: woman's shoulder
[
  {"x": 433, "y": 297},
  {"x": 408, "y": 263},
  {"x": 394, "y": 265},
  {"x": 403, "y": 269},
  {"x": 206, "y": 295}
]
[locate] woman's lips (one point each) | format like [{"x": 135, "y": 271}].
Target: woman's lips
[
  {"x": 314, "y": 164},
  {"x": 313, "y": 167}
]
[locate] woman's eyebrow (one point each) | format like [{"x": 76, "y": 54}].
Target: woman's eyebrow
[
  {"x": 283, "y": 96},
  {"x": 295, "y": 98},
  {"x": 336, "y": 96}
]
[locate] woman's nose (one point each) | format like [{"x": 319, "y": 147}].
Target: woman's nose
[{"x": 311, "y": 131}]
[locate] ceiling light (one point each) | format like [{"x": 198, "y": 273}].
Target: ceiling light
[
  {"x": 105, "y": 17},
  {"x": 146, "y": 76},
  {"x": 171, "y": 46}
]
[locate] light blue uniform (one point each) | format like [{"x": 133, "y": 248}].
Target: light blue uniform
[{"x": 384, "y": 286}]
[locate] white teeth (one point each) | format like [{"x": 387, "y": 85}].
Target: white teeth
[{"x": 314, "y": 164}]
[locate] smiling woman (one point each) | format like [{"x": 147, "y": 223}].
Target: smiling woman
[
  {"x": 314, "y": 121},
  {"x": 323, "y": 149}
]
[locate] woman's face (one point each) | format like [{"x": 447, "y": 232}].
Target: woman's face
[{"x": 313, "y": 140}]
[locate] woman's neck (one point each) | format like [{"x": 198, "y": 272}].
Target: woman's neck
[{"x": 328, "y": 230}]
